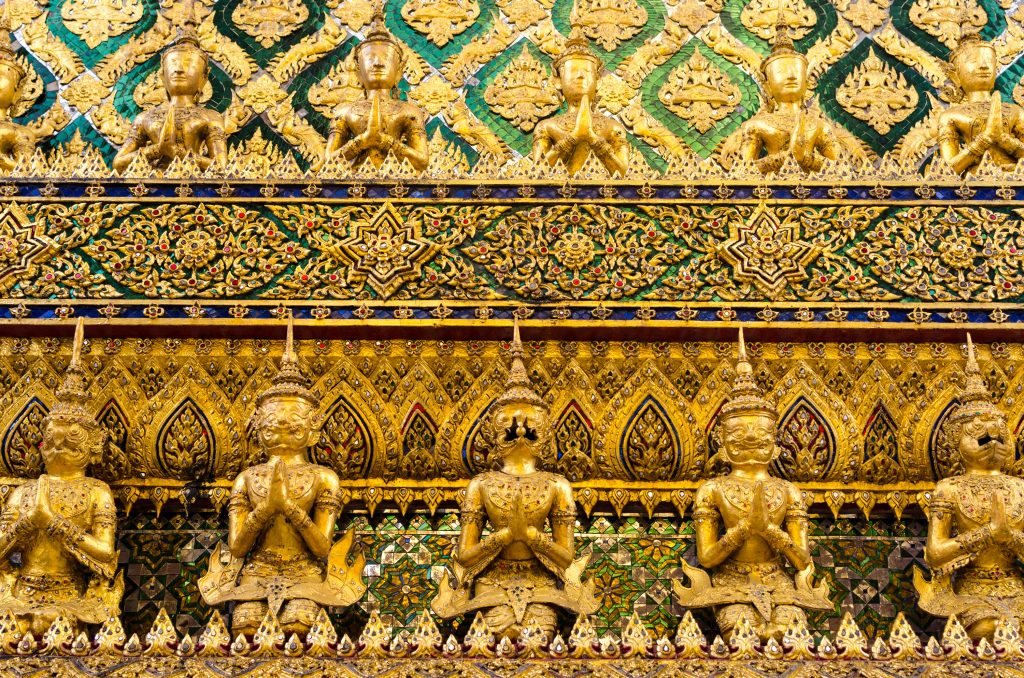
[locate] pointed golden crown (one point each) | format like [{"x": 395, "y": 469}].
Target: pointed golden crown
[
  {"x": 971, "y": 36},
  {"x": 7, "y": 56},
  {"x": 378, "y": 32},
  {"x": 746, "y": 397},
  {"x": 782, "y": 42},
  {"x": 577, "y": 46},
  {"x": 289, "y": 380},
  {"x": 974, "y": 396},
  {"x": 518, "y": 388},
  {"x": 188, "y": 35},
  {"x": 73, "y": 393}
]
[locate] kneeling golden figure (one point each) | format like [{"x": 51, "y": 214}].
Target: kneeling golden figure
[
  {"x": 517, "y": 573},
  {"x": 280, "y": 552},
  {"x": 976, "y": 521},
  {"x": 181, "y": 126},
  {"x": 765, "y": 523},
  {"x": 63, "y": 523}
]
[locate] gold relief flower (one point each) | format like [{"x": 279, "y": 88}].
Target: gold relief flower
[
  {"x": 575, "y": 250},
  {"x": 957, "y": 252},
  {"x": 195, "y": 249},
  {"x": 85, "y": 92}
]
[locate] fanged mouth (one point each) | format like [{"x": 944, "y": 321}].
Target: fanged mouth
[{"x": 986, "y": 439}]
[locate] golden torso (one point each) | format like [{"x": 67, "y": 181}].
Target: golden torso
[
  {"x": 775, "y": 129},
  {"x": 305, "y": 483},
  {"x": 968, "y": 120},
  {"x": 77, "y": 501},
  {"x": 400, "y": 120},
  {"x": 498, "y": 490},
  {"x": 971, "y": 496},
  {"x": 561, "y": 127},
  {"x": 193, "y": 125},
  {"x": 732, "y": 496}
]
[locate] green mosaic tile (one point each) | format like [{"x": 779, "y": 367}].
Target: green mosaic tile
[
  {"x": 703, "y": 144},
  {"x": 262, "y": 55},
  {"x": 826, "y": 22},
  {"x": 655, "y": 9},
  {"x": 900, "y": 12},
  {"x": 519, "y": 141},
  {"x": 91, "y": 56},
  {"x": 434, "y": 55},
  {"x": 300, "y": 84}
]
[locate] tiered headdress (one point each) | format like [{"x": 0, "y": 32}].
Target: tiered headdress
[
  {"x": 289, "y": 380},
  {"x": 7, "y": 57},
  {"x": 746, "y": 397},
  {"x": 73, "y": 393},
  {"x": 576, "y": 47},
  {"x": 379, "y": 32},
  {"x": 782, "y": 43},
  {"x": 971, "y": 35},
  {"x": 188, "y": 36},
  {"x": 974, "y": 397},
  {"x": 518, "y": 388}
]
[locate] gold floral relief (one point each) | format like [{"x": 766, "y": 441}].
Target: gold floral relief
[
  {"x": 609, "y": 22},
  {"x": 699, "y": 93},
  {"x": 523, "y": 93},
  {"x": 878, "y": 94},
  {"x": 760, "y": 17},
  {"x": 96, "y": 21},
  {"x": 440, "y": 20},
  {"x": 948, "y": 20},
  {"x": 269, "y": 20}
]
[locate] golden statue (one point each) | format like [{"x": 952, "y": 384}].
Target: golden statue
[
  {"x": 980, "y": 123},
  {"x": 784, "y": 128},
  {"x": 381, "y": 123},
  {"x": 17, "y": 142},
  {"x": 572, "y": 136},
  {"x": 518, "y": 572},
  {"x": 63, "y": 523},
  {"x": 280, "y": 553},
  {"x": 765, "y": 527},
  {"x": 976, "y": 520},
  {"x": 181, "y": 126}
]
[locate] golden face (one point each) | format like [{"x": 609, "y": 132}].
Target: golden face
[
  {"x": 787, "y": 78},
  {"x": 184, "y": 72},
  {"x": 66, "y": 444},
  {"x": 10, "y": 81},
  {"x": 520, "y": 427},
  {"x": 985, "y": 442},
  {"x": 976, "y": 67},
  {"x": 380, "y": 65},
  {"x": 285, "y": 423},
  {"x": 578, "y": 76},
  {"x": 749, "y": 439}
]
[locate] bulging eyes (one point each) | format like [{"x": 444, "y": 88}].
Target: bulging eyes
[{"x": 512, "y": 432}]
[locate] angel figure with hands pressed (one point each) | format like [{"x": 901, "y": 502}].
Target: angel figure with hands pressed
[
  {"x": 976, "y": 520},
  {"x": 980, "y": 122},
  {"x": 784, "y": 128},
  {"x": 381, "y": 123},
  {"x": 180, "y": 126},
  {"x": 572, "y": 136},
  {"x": 751, "y": 527}
]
